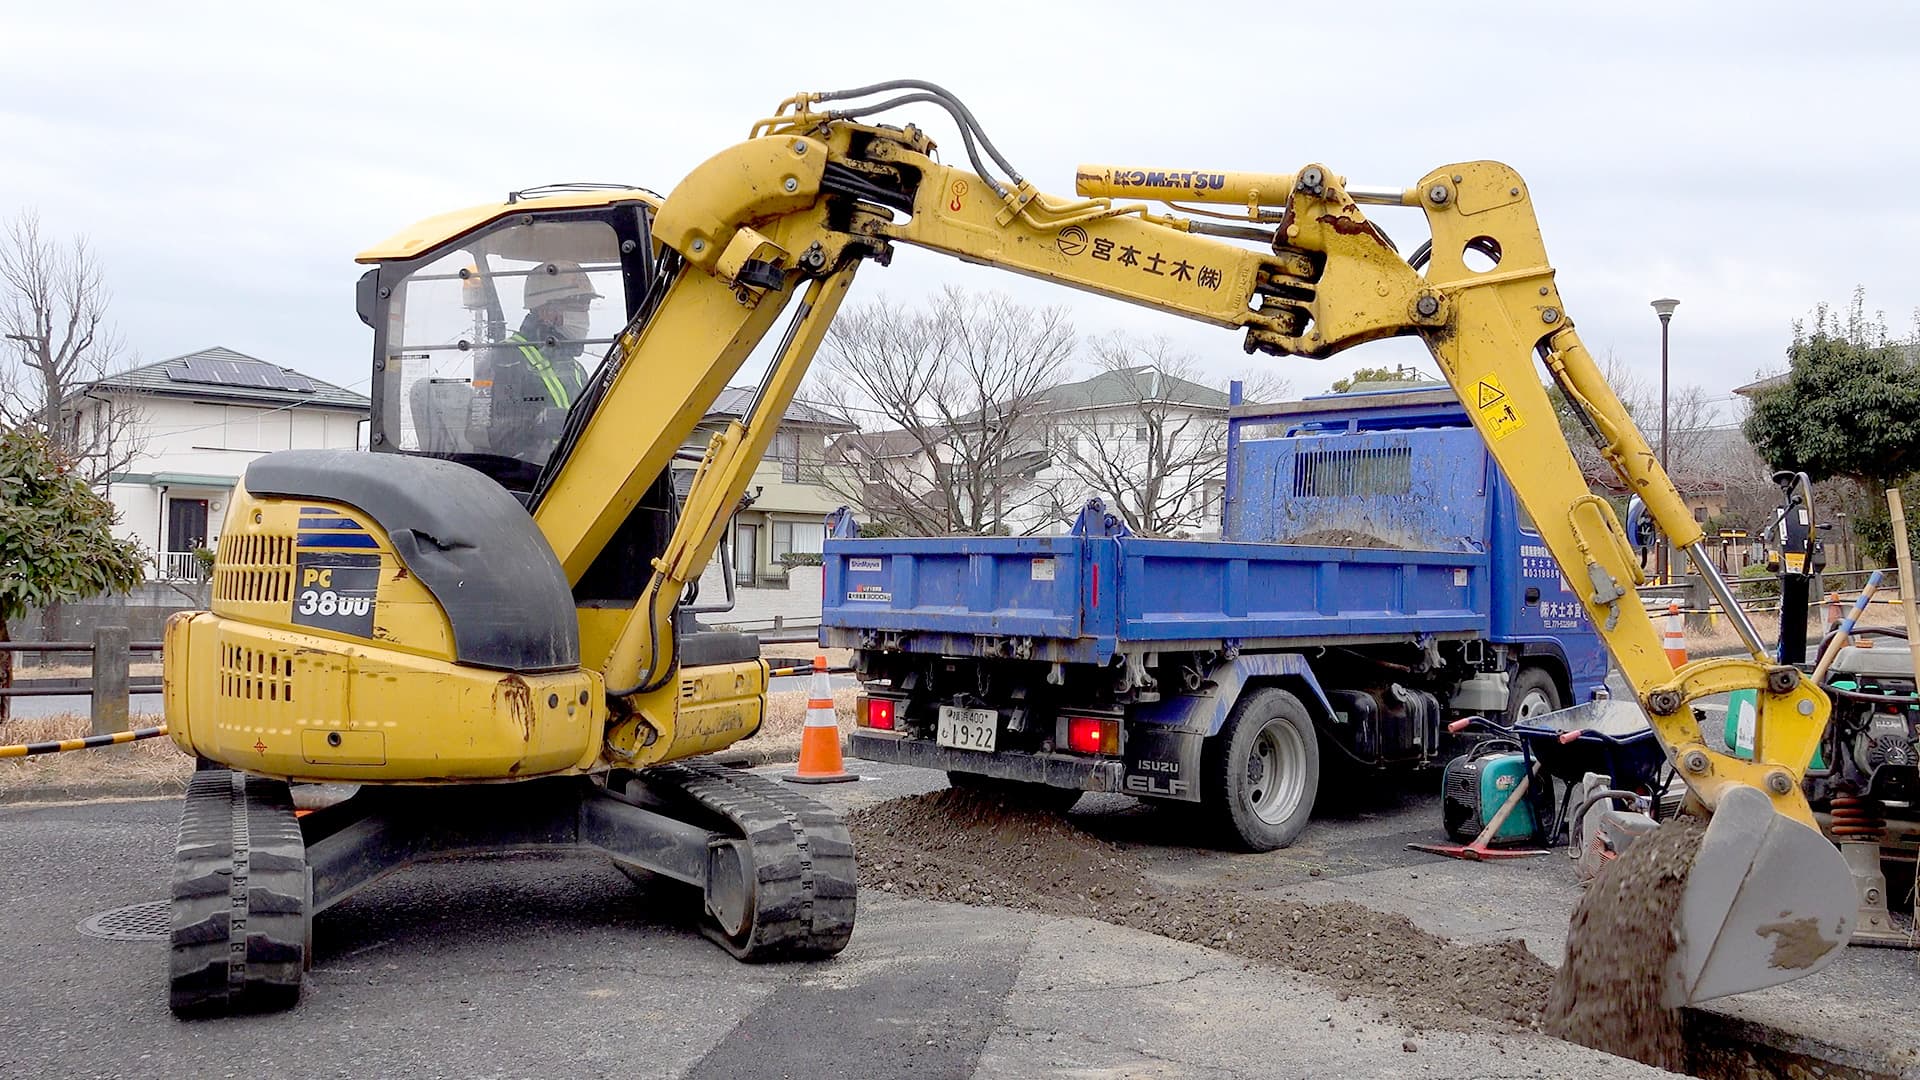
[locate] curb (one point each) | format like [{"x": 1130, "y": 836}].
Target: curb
[{"x": 28, "y": 795}]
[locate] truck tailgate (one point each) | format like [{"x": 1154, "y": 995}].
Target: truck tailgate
[
  {"x": 957, "y": 589},
  {"x": 1075, "y": 599}
]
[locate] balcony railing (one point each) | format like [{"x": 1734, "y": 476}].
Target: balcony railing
[{"x": 182, "y": 566}]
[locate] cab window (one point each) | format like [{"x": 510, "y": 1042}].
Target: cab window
[{"x": 489, "y": 343}]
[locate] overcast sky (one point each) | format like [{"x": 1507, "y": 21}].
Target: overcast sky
[{"x": 227, "y": 161}]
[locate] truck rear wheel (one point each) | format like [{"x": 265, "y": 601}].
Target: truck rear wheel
[
  {"x": 1020, "y": 793},
  {"x": 1262, "y": 771}
]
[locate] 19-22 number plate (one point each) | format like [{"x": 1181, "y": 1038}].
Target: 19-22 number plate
[{"x": 967, "y": 729}]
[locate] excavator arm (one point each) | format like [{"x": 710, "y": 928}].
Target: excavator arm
[{"x": 792, "y": 211}]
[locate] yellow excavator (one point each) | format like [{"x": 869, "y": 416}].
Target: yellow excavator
[{"x": 486, "y": 623}]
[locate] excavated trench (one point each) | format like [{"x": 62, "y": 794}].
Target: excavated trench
[{"x": 967, "y": 847}]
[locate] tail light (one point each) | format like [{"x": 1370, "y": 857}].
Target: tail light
[
  {"x": 1092, "y": 735},
  {"x": 875, "y": 712}
]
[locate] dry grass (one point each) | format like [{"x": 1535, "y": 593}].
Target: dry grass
[
  {"x": 779, "y": 735},
  {"x": 154, "y": 763},
  {"x": 1722, "y": 640}
]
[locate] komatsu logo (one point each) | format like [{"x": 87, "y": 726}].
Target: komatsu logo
[{"x": 1161, "y": 178}]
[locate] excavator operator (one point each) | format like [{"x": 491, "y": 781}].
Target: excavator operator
[{"x": 537, "y": 378}]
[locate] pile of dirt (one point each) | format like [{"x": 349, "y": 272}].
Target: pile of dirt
[
  {"x": 1347, "y": 538},
  {"x": 1607, "y": 994},
  {"x": 966, "y": 847}
]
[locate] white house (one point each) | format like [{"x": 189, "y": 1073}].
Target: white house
[{"x": 191, "y": 425}]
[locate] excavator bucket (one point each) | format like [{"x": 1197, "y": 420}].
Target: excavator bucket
[{"x": 1767, "y": 901}]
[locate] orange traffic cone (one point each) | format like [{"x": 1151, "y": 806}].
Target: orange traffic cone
[
  {"x": 1676, "y": 636},
  {"x": 820, "y": 740}
]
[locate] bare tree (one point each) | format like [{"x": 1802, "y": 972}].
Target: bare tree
[
  {"x": 1689, "y": 420},
  {"x": 53, "y": 307},
  {"x": 1154, "y": 442},
  {"x": 949, "y": 398},
  {"x": 1260, "y": 386}
]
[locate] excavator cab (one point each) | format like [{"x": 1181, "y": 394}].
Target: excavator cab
[{"x": 484, "y": 344}]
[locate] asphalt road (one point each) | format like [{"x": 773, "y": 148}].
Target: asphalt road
[
  {"x": 537, "y": 966},
  {"x": 527, "y": 966}
]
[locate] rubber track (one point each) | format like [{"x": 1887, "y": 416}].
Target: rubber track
[
  {"x": 805, "y": 884},
  {"x": 240, "y": 898}
]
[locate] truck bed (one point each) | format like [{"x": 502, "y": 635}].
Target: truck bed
[{"x": 1082, "y": 599}]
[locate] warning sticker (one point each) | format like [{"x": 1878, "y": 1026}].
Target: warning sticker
[
  {"x": 1496, "y": 409},
  {"x": 1043, "y": 569}
]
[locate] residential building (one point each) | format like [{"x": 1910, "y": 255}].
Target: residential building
[
  {"x": 1150, "y": 443},
  {"x": 790, "y": 490},
  {"x": 192, "y": 424}
]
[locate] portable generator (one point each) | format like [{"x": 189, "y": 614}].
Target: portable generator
[{"x": 1476, "y": 784}]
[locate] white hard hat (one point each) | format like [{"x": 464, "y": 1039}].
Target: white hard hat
[{"x": 555, "y": 281}]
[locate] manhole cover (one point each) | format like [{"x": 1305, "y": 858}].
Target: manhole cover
[{"x": 151, "y": 921}]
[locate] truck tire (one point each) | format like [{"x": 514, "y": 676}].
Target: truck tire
[
  {"x": 1532, "y": 692},
  {"x": 1016, "y": 793},
  {"x": 1260, "y": 773}
]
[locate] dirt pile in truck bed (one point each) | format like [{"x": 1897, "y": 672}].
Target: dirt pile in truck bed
[
  {"x": 963, "y": 847},
  {"x": 1607, "y": 994}
]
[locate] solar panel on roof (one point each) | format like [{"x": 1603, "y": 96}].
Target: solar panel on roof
[{"x": 202, "y": 369}]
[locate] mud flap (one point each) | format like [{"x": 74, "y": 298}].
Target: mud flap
[{"x": 1768, "y": 900}]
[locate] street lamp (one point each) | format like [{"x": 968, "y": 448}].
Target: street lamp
[{"x": 1664, "y": 308}]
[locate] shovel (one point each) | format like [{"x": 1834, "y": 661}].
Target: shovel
[{"x": 1768, "y": 900}]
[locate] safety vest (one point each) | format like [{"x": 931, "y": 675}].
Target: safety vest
[{"x": 557, "y": 391}]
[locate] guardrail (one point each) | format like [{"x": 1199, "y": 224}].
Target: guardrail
[{"x": 110, "y": 684}]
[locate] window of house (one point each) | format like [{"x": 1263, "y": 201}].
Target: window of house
[
  {"x": 798, "y": 465},
  {"x": 876, "y": 470},
  {"x": 1140, "y": 433},
  {"x": 787, "y": 454},
  {"x": 797, "y": 537}
]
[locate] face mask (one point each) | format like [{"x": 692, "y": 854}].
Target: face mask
[{"x": 573, "y": 324}]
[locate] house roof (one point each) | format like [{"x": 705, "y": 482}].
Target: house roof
[
  {"x": 893, "y": 442},
  {"x": 1124, "y": 386},
  {"x": 733, "y": 401},
  {"x": 220, "y": 373},
  {"x": 1129, "y": 385},
  {"x": 1761, "y": 385}
]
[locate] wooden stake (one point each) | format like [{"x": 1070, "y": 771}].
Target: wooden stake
[{"x": 1904, "y": 559}]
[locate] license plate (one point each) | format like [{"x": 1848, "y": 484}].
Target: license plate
[{"x": 967, "y": 729}]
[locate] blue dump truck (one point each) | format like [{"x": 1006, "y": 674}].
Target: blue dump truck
[{"x": 1376, "y": 579}]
